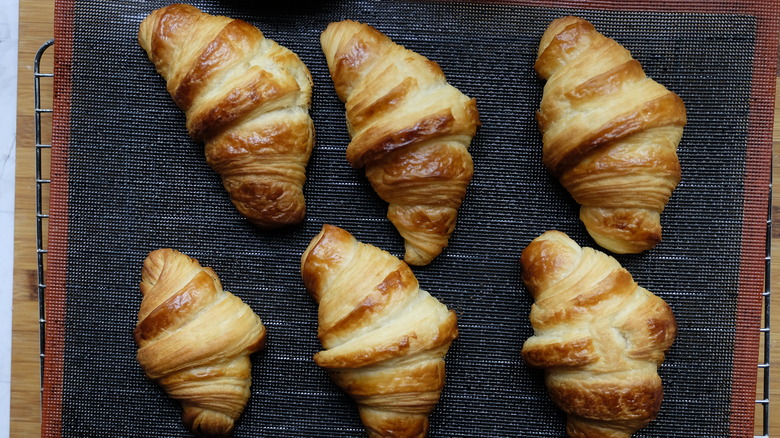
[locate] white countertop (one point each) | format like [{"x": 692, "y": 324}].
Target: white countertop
[{"x": 9, "y": 42}]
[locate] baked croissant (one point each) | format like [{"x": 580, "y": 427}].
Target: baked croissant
[
  {"x": 385, "y": 339},
  {"x": 598, "y": 335},
  {"x": 410, "y": 129},
  {"x": 195, "y": 339},
  {"x": 610, "y": 134},
  {"x": 247, "y": 98}
]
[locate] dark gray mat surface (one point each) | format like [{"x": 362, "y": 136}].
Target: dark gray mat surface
[{"x": 138, "y": 183}]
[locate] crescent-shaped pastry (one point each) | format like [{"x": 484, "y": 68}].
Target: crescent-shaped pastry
[
  {"x": 194, "y": 339},
  {"x": 410, "y": 130},
  {"x": 598, "y": 335},
  {"x": 610, "y": 134},
  {"x": 247, "y": 98},
  {"x": 385, "y": 338}
]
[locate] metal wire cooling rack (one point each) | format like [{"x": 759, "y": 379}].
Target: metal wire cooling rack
[
  {"x": 40, "y": 182},
  {"x": 763, "y": 363},
  {"x": 762, "y": 403}
]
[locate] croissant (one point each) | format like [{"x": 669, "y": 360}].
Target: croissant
[
  {"x": 195, "y": 339},
  {"x": 247, "y": 98},
  {"x": 610, "y": 134},
  {"x": 598, "y": 335},
  {"x": 385, "y": 339},
  {"x": 410, "y": 129}
]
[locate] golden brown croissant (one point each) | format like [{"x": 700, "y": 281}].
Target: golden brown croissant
[
  {"x": 195, "y": 339},
  {"x": 610, "y": 134},
  {"x": 599, "y": 336},
  {"x": 385, "y": 339},
  {"x": 410, "y": 129},
  {"x": 247, "y": 98}
]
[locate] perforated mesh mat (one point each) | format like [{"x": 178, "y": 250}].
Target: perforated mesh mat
[{"x": 127, "y": 180}]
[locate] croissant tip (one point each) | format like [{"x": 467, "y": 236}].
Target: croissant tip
[
  {"x": 623, "y": 231},
  {"x": 414, "y": 259}
]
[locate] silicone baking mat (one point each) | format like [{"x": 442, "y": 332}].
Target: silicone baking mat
[{"x": 126, "y": 179}]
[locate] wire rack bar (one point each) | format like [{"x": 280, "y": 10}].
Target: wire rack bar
[
  {"x": 765, "y": 331},
  {"x": 40, "y": 181}
]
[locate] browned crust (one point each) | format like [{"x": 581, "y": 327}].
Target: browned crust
[
  {"x": 638, "y": 230},
  {"x": 606, "y": 83},
  {"x": 405, "y": 345},
  {"x": 574, "y": 353},
  {"x": 260, "y": 88},
  {"x": 368, "y": 109},
  {"x": 170, "y": 21},
  {"x": 663, "y": 111},
  {"x": 427, "y": 376},
  {"x": 393, "y": 369},
  {"x": 357, "y": 53},
  {"x": 542, "y": 260},
  {"x": 397, "y": 281},
  {"x": 293, "y": 138},
  {"x": 375, "y": 143},
  {"x": 267, "y": 203},
  {"x": 621, "y": 399},
  {"x": 218, "y": 52},
  {"x": 198, "y": 293},
  {"x": 395, "y": 426},
  {"x": 397, "y": 100},
  {"x": 316, "y": 261},
  {"x": 562, "y": 36},
  {"x": 617, "y": 284},
  {"x": 597, "y": 101}
]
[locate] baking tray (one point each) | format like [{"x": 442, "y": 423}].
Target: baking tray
[{"x": 126, "y": 179}]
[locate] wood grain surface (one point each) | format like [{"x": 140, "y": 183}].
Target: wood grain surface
[{"x": 35, "y": 28}]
